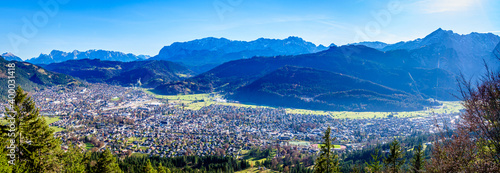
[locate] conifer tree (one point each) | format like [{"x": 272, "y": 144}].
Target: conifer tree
[
  {"x": 148, "y": 168},
  {"x": 162, "y": 169},
  {"x": 107, "y": 163},
  {"x": 374, "y": 166},
  {"x": 73, "y": 160},
  {"x": 36, "y": 146},
  {"x": 4, "y": 159},
  {"x": 395, "y": 158},
  {"x": 327, "y": 161},
  {"x": 418, "y": 160}
]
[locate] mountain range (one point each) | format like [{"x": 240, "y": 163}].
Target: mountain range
[
  {"x": 421, "y": 69},
  {"x": 373, "y": 44},
  {"x": 393, "y": 69},
  {"x": 366, "y": 76},
  {"x": 56, "y": 56},
  {"x": 147, "y": 73},
  {"x": 203, "y": 54},
  {"x": 450, "y": 51}
]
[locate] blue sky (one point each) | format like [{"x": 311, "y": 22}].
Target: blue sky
[{"x": 144, "y": 27}]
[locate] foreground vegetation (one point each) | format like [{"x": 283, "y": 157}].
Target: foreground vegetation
[{"x": 474, "y": 146}]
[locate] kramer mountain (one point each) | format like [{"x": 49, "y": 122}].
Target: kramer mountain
[
  {"x": 449, "y": 51},
  {"x": 32, "y": 77},
  {"x": 56, "y": 56},
  {"x": 309, "y": 88},
  {"x": 203, "y": 54},
  {"x": 150, "y": 73}
]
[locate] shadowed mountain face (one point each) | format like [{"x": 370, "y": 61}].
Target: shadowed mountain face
[
  {"x": 392, "y": 69},
  {"x": 150, "y": 73},
  {"x": 204, "y": 54},
  {"x": 59, "y": 56},
  {"x": 315, "y": 89},
  {"x": 32, "y": 77},
  {"x": 496, "y": 52}
]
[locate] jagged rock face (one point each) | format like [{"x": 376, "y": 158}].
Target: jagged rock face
[
  {"x": 60, "y": 56},
  {"x": 215, "y": 51}
]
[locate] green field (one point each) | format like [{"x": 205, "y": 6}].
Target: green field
[
  {"x": 88, "y": 146},
  {"x": 253, "y": 169},
  {"x": 188, "y": 102},
  {"x": 447, "y": 107},
  {"x": 190, "y": 97},
  {"x": 132, "y": 139},
  {"x": 115, "y": 98},
  {"x": 191, "y": 101},
  {"x": 334, "y": 146},
  {"x": 139, "y": 154},
  {"x": 252, "y": 160},
  {"x": 49, "y": 120}
]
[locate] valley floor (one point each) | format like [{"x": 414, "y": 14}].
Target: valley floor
[
  {"x": 197, "y": 101},
  {"x": 132, "y": 121}
]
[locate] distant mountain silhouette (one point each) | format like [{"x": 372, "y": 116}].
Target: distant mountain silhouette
[
  {"x": 373, "y": 44},
  {"x": 11, "y": 57},
  {"x": 365, "y": 76},
  {"x": 204, "y": 54},
  {"x": 150, "y": 73},
  {"x": 56, "y": 56}
]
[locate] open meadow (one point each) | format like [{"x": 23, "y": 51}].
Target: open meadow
[{"x": 197, "y": 101}]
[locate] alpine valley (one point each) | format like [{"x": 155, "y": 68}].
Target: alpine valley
[{"x": 291, "y": 72}]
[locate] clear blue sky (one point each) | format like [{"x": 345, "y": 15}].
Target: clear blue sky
[{"x": 144, "y": 27}]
